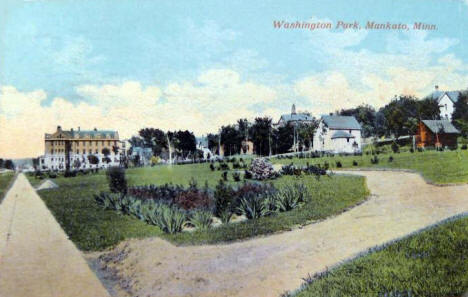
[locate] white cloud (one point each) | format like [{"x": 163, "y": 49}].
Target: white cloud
[{"x": 216, "y": 98}]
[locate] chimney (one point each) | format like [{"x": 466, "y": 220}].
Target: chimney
[
  {"x": 59, "y": 128},
  {"x": 293, "y": 109},
  {"x": 436, "y": 87}
]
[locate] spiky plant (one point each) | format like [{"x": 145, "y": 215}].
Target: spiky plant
[
  {"x": 201, "y": 219},
  {"x": 170, "y": 219},
  {"x": 253, "y": 206},
  {"x": 291, "y": 196}
]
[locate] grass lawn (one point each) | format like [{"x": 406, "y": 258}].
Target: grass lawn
[
  {"x": 92, "y": 228},
  {"x": 431, "y": 263},
  {"x": 437, "y": 167},
  {"x": 5, "y": 180}
]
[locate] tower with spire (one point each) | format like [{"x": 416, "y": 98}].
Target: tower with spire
[{"x": 293, "y": 109}]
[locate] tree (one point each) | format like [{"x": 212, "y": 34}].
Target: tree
[
  {"x": 185, "y": 142},
  {"x": 306, "y": 132},
  {"x": 460, "y": 114},
  {"x": 9, "y": 164},
  {"x": 35, "y": 162},
  {"x": 365, "y": 115},
  {"x": 261, "y": 135},
  {"x": 213, "y": 140},
  {"x": 154, "y": 138},
  {"x": 93, "y": 160},
  {"x": 243, "y": 126},
  {"x": 231, "y": 139},
  {"x": 283, "y": 139},
  {"x": 105, "y": 151}
]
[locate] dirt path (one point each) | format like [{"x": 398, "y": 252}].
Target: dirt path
[
  {"x": 401, "y": 203},
  {"x": 36, "y": 257}
]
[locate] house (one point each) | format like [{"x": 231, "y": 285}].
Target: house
[
  {"x": 446, "y": 101},
  {"x": 436, "y": 133},
  {"x": 338, "y": 134},
  {"x": 294, "y": 118},
  {"x": 73, "y": 149}
]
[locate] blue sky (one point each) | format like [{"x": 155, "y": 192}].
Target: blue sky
[{"x": 79, "y": 52}]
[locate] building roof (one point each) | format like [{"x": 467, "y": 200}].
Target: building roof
[
  {"x": 441, "y": 126},
  {"x": 93, "y": 133},
  {"x": 297, "y": 117},
  {"x": 437, "y": 95},
  {"x": 342, "y": 134},
  {"x": 341, "y": 122}
]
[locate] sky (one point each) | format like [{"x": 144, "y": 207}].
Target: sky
[{"x": 124, "y": 65}]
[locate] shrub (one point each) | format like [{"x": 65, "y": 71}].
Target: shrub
[
  {"x": 212, "y": 167},
  {"x": 117, "y": 180},
  {"x": 291, "y": 197},
  {"x": 253, "y": 206},
  {"x": 395, "y": 147},
  {"x": 355, "y": 163},
  {"x": 288, "y": 169},
  {"x": 464, "y": 147},
  {"x": 52, "y": 174},
  {"x": 338, "y": 164},
  {"x": 247, "y": 174},
  {"x": 224, "y": 175},
  {"x": 201, "y": 219},
  {"x": 236, "y": 165},
  {"x": 223, "y": 166},
  {"x": 224, "y": 201},
  {"x": 390, "y": 159},
  {"x": 69, "y": 173},
  {"x": 170, "y": 219},
  {"x": 236, "y": 176},
  {"x": 109, "y": 201},
  {"x": 316, "y": 170},
  {"x": 166, "y": 192},
  {"x": 262, "y": 169},
  {"x": 193, "y": 199},
  {"x": 411, "y": 150},
  {"x": 374, "y": 160}
]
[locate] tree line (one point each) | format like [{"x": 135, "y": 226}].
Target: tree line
[
  {"x": 7, "y": 164},
  {"x": 397, "y": 118}
]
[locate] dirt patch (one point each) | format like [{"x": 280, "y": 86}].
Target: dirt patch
[{"x": 47, "y": 184}]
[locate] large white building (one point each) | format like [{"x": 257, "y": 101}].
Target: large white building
[
  {"x": 338, "y": 134},
  {"x": 78, "y": 149},
  {"x": 446, "y": 101}
]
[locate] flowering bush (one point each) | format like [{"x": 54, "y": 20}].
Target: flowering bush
[
  {"x": 262, "y": 169},
  {"x": 193, "y": 199}
]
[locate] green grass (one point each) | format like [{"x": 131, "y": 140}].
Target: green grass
[
  {"x": 431, "y": 263},
  {"x": 437, "y": 167},
  {"x": 5, "y": 180},
  {"x": 92, "y": 228}
]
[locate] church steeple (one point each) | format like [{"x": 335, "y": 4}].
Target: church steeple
[{"x": 293, "y": 109}]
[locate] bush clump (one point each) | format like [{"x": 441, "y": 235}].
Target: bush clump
[
  {"x": 262, "y": 169},
  {"x": 117, "y": 180}
]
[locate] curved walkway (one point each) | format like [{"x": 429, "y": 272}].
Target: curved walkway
[
  {"x": 36, "y": 257},
  {"x": 401, "y": 203}
]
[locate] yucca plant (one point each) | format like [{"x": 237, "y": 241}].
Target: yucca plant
[
  {"x": 291, "y": 196},
  {"x": 201, "y": 219},
  {"x": 253, "y": 206},
  {"x": 111, "y": 201},
  {"x": 171, "y": 220}
]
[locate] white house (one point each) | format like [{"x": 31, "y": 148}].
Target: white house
[
  {"x": 446, "y": 101},
  {"x": 338, "y": 134}
]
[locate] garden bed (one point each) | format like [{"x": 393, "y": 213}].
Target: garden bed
[{"x": 91, "y": 227}]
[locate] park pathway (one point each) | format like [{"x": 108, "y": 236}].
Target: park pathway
[
  {"x": 401, "y": 203},
  {"x": 36, "y": 257}
]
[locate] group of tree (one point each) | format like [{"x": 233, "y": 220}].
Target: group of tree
[
  {"x": 399, "y": 117},
  {"x": 266, "y": 137},
  {"x": 182, "y": 142},
  {"x": 7, "y": 164},
  {"x": 460, "y": 114}
]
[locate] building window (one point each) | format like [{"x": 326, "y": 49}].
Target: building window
[{"x": 347, "y": 139}]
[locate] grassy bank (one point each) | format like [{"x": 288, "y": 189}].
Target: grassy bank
[
  {"x": 92, "y": 228},
  {"x": 438, "y": 167},
  {"x": 432, "y": 263},
  {"x": 5, "y": 180}
]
